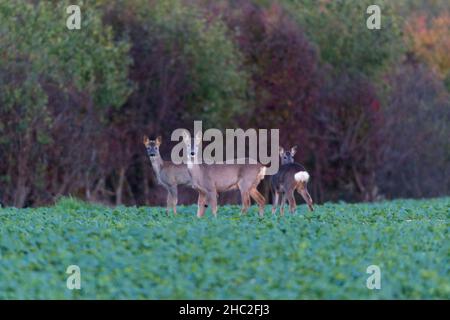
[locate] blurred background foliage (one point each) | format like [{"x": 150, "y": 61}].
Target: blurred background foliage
[{"x": 369, "y": 109}]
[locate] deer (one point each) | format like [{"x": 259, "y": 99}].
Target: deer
[
  {"x": 211, "y": 179},
  {"x": 168, "y": 174},
  {"x": 290, "y": 177}
]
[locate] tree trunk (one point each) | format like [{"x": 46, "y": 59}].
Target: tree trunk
[{"x": 119, "y": 189}]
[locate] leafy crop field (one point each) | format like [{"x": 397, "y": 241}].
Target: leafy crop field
[{"x": 140, "y": 253}]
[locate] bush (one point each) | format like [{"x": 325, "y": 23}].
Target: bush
[
  {"x": 416, "y": 153},
  {"x": 184, "y": 68},
  {"x": 429, "y": 41},
  {"x": 339, "y": 29},
  {"x": 55, "y": 88},
  {"x": 345, "y": 139}
]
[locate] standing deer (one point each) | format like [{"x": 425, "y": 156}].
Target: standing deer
[
  {"x": 291, "y": 177},
  {"x": 168, "y": 174},
  {"x": 209, "y": 179}
]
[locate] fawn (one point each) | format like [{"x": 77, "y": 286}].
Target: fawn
[
  {"x": 291, "y": 176},
  {"x": 209, "y": 179},
  {"x": 168, "y": 174}
]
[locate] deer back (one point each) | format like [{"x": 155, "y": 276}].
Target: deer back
[
  {"x": 174, "y": 174},
  {"x": 222, "y": 177},
  {"x": 284, "y": 179}
]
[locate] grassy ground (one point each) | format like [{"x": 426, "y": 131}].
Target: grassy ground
[{"x": 129, "y": 252}]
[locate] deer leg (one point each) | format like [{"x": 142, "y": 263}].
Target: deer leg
[
  {"x": 245, "y": 198},
  {"x": 303, "y": 190},
  {"x": 201, "y": 204},
  {"x": 168, "y": 202},
  {"x": 258, "y": 197},
  {"x": 213, "y": 201},
  {"x": 283, "y": 201},
  {"x": 173, "y": 199},
  {"x": 291, "y": 200},
  {"x": 248, "y": 202},
  {"x": 276, "y": 198}
]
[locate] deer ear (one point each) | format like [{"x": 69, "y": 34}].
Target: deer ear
[
  {"x": 146, "y": 140},
  {"x": 158, "y": 140},
  {"x": 293, "y": 150},
  {"x": 281, "y": 150}
]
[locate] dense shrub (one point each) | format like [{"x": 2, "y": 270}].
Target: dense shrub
[
  {"x": 185, "y": 68},
  {"x": 416, "y": 153},
  {"x": 56, "y": 87},
  {"x": 75, "y": 104},
  {"x": 339, "y": 29},
  {"x": 283, "y": 66},
  {"x": 429, "y": 41},
  {"x": 347, "y": 136},
  {"x": 334, "y": 117}
]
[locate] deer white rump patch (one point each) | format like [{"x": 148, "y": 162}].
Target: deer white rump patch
[{"x": 301, "y": 176}]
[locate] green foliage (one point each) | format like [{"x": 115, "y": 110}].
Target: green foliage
[
  {"x": 39, "y": 54},
  {"x": 339, "y": 30},
  {"x": 50, "y": 75},
  {"x": 404, "y": 8},
  {"x": 217, "y": 84},
  {"x": 129, "y": 252}
]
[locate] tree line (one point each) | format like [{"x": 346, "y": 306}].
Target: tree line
[{"x": 368, "y": 109}]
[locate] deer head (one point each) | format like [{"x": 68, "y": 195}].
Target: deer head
[
  {"x": 287, "y": 156},
  {"x": 152, "y": 146},
  {"x": 192, "y": 145}
]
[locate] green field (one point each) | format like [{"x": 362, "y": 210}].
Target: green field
[{"x": 129, "y": 252}]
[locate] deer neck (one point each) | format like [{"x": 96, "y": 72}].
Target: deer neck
[
  {"x": 157, "y": 164},
  {"x": 194, "y": 168}
]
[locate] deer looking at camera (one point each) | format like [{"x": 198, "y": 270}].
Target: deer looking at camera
[
  {"x": 291, "y": 177},
  {"x": 168, "y": 174},
  {"x": 209, "y": 179}
]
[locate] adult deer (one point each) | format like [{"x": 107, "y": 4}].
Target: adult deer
[
  {"x": 210, "y": 179},
  {"x": 168, "y": 174},
  {"x": 291, "y": 177}
]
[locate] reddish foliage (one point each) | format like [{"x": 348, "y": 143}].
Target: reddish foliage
[
  {"x": 284, "y": 68},
  {"x": 335, "y": 122},
  {"x": 346, "y": 135}
]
